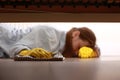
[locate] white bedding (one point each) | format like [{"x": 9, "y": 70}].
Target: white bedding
[
  {"x": 10, "y": 44},
  {"x": 9, "y": 35}
]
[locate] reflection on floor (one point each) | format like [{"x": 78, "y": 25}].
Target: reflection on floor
[{"x": 103, "y": 68}]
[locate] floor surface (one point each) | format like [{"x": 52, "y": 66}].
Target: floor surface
[{"x": 104, "y": 68}]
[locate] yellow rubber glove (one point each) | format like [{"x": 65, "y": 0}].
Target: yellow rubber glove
[
  {"x": 36, "y": 53},
  {"x": 40, "y": 53},
  {"x": 24, "y": 53},
  {"x": 86, "y": 52}
]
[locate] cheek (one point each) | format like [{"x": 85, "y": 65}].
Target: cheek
[{"x": 76, "y": 45}]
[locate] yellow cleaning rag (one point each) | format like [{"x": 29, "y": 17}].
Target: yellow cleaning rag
[{"x": 86, "y": 52}]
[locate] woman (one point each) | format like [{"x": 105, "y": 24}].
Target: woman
[
  {"x": 77, "y": 38},
  {"x": 58, "y": 42}
]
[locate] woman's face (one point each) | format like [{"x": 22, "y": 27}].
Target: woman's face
[{"x": 77, "y": 43}]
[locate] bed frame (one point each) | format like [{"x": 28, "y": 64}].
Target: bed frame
[{"x": 60, "y": 10}]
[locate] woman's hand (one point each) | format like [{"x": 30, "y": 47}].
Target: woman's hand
[{"x": 36, "y": 53}]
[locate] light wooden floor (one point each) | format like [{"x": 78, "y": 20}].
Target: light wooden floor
[{"x": 104, "y": 68}]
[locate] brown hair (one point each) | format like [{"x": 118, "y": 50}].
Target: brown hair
[
  {"x": 68, "y": 50},
  {"x": 85, "y": 34}
]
